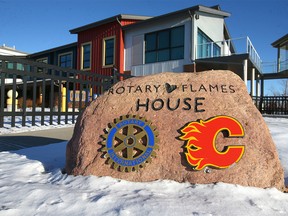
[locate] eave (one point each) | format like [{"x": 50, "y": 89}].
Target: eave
[{"x": 108, "y": 20}]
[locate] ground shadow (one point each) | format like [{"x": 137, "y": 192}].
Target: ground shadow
[
  {"x": 49, "y": 151},
  {"x": 13, "y": 143}
]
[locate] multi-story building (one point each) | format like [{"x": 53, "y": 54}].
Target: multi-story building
[{"x": 189, "y": 40}]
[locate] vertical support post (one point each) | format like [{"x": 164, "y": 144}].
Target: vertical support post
[
  {"x": 261, "y": 94},
  {"x": 63, "y": 107},
  {"x": 90, "y": 92},
  {"x": 252, "y": 90},
  {"x": 278, "y": 60},
  {"x": 258, "y": 86},
  {"x": 245, "y": 71},
  {"x": 41, "y": 95}
]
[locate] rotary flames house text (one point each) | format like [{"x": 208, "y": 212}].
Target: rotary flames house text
[{"x": 199, "y": 136}]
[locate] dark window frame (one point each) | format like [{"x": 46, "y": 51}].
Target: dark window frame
[
  {"x": 86, "y": 63},
  {"x": 109, "y": 55},
  {"x": 65, "y": 62},
  {"x": 163, "y": 50}
]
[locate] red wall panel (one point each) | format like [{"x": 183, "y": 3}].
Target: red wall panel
[{"x": 95, "y": 36}]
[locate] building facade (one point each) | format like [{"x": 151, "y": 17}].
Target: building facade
[
  {"x": 63, "y": 56},
  {"x": 100, "y": 45},
  {"x": 172, "y": 42}
]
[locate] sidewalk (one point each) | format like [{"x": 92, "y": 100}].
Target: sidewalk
[{"x": 16, "y": 141}]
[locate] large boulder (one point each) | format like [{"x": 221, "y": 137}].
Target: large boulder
[{"x": 196, "y": 127}]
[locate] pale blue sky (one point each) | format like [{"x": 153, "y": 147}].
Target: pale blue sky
[{"x": 36, "y": 25}]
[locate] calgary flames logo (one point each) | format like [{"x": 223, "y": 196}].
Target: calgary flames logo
[{"x": 200, "y": 138}]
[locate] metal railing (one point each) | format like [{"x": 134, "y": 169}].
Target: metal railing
[
  {"x": 44, "y": 94},
  {"x": 274, "y": 105},
  {"x": 224, "y": 48}
]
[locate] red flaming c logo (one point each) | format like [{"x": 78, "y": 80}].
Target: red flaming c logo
[{"x": 201, "y": 147}]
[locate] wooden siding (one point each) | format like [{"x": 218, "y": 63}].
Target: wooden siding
[{"x": 96, "y": 36}]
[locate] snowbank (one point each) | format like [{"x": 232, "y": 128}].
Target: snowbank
[{"x": 31, "y": 183}]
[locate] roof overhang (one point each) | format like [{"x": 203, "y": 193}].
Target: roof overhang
[
  {"x": 55, "y": 49},
  {"x": 281, "y": 41},
  {"x": 188, "y": 11},
  {"x": 108, "y": 20}
]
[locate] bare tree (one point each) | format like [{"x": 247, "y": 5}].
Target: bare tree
[{"x": 282, "y": 88}]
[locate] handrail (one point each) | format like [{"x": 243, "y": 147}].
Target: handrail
[{"x": 226, "y": 49}]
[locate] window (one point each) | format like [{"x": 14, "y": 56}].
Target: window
[
  {"x": 65, "y": 60},
  {"x": 86, "y": 56},
  {"x": 42, "y": 60},
  {"x": 108, "y": 48},
  {"x": 206, "y": 47},
  {"x": 164, "y": 45}
]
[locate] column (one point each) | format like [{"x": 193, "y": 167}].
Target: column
[
  {"x": 252, "y": 92},
  {"x": 245, "y": 71},
  {"x": 258, "y": 85}
]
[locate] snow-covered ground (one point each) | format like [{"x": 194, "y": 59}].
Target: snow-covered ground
[
  {"x": 31, "y": 183},
  {"x": 7, "y": 129}
]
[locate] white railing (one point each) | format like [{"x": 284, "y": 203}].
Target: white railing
[
  {"x": 254, "y": 56},
  {"x": 227, "y": 48},
  {"x": 274, "y": 67},
  {"x": 283, "y": 65},
  {"x": 269, "y": 67}
]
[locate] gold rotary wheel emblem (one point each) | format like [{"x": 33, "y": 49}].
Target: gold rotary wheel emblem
[{"x": 129, "y": 143}]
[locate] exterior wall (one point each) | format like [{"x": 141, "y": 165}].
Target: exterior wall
[
  {"x": 53, "y": 56},
  {"x": 212, "y": 26},
  {"x": 135, "y": 41},
  {"x": 96, "y": 36}
]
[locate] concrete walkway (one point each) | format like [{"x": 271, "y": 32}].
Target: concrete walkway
[{"x": 15, "y": 141}]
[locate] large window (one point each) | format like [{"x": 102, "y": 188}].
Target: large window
[
  {"x": 206, "y": 48},
  {"x": 65, "y": 60},
  {"x": 164, "y": 45},
  {"x": 109, "y": 50},
  {"x": 86, "y": 56}
]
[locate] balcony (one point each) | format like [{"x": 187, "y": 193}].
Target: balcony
[{"x": 229, "y": 47}]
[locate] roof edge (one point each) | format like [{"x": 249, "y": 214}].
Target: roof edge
[
  {"x": 189, "y": 10},
  {"x": 108, "y": 20},
  {"x": 280, "y": 41},
  {"x": 213, "y": 10},
  {"x": 53, "y": 49}
]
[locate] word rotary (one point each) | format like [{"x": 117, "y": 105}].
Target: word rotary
[{"x": 129, "y": 143}]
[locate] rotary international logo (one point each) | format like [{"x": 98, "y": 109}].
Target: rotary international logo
[{"x": 129, "y": 143}]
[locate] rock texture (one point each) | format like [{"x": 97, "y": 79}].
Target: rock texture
[{"x": 201, "y": 96}]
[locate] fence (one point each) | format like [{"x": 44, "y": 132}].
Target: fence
[
  {"x": 33, "y": 91},
  {"x": 275, "y": 105}
]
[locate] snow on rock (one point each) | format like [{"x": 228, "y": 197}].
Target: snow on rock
[{"x": 31, "y": 183}]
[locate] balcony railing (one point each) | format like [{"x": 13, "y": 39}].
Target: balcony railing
[
  {"x": 229, "y": 47},
  {"x": 273, "y": 67}
]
